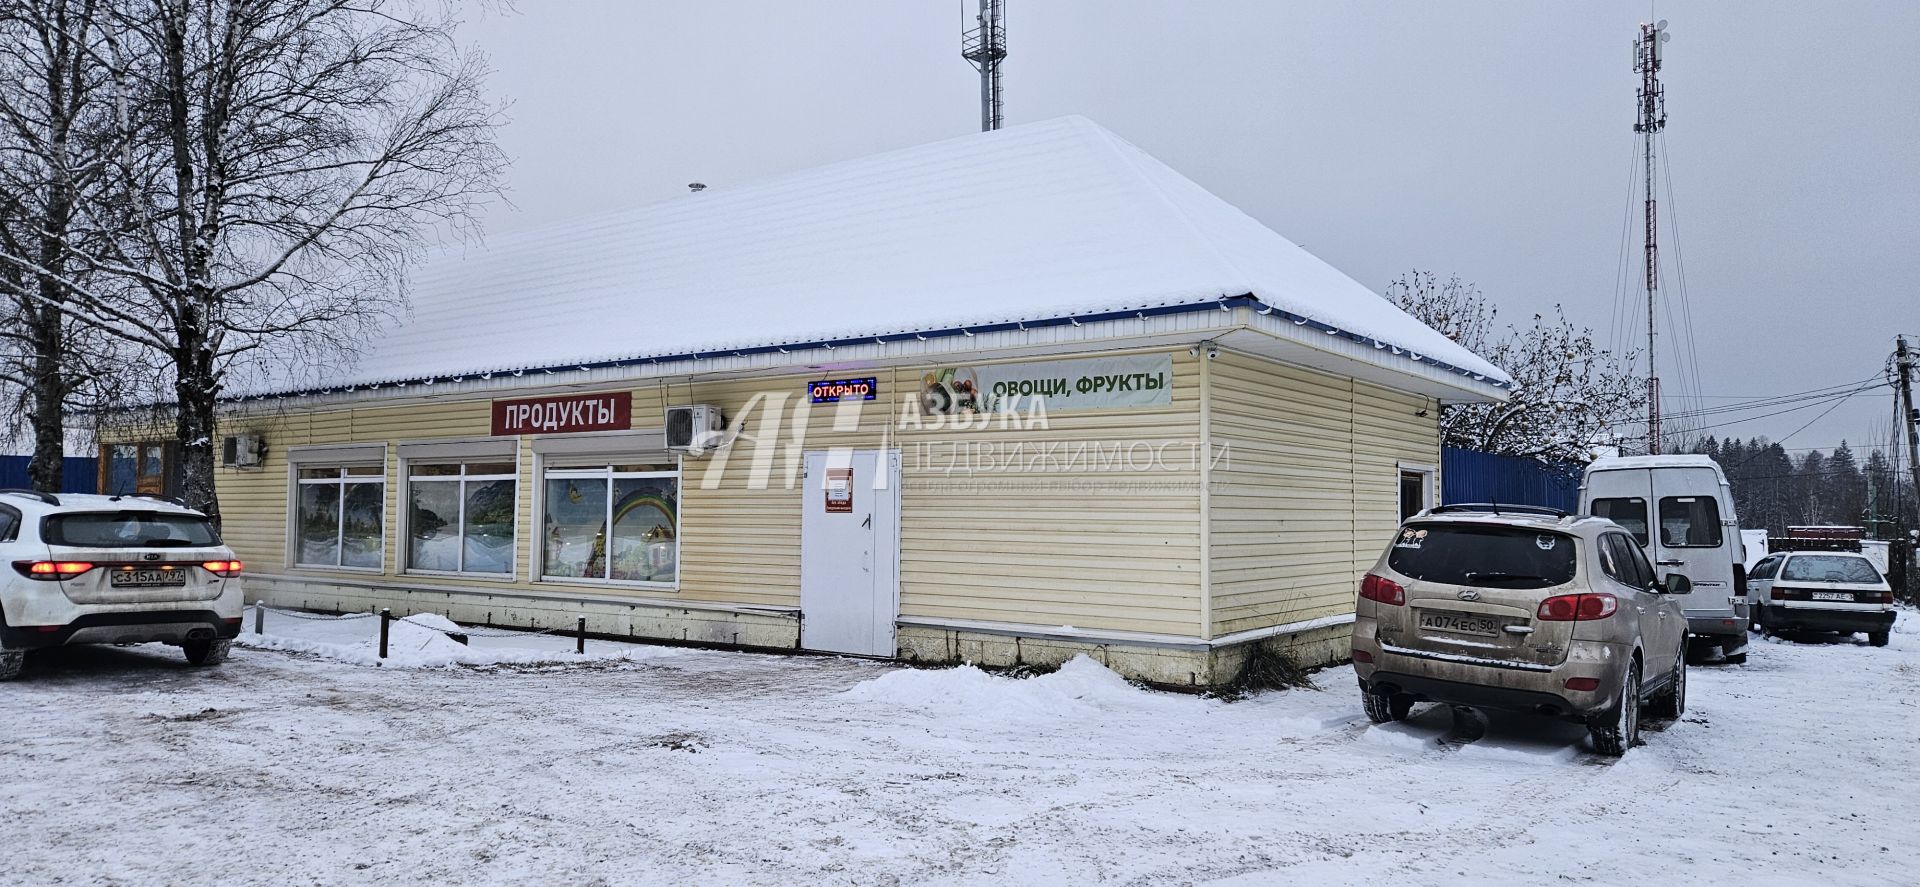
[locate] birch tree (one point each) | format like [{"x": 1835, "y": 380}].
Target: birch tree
[
  {"x": 54, "y": 148},
  {"x": 281, "y": 164},
  {"x": 1568, "y": 398}
]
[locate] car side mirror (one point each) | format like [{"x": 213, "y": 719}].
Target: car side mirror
[{"x": 1678, "y": 583}]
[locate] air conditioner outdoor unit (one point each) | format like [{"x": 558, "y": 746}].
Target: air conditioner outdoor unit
[
  {"x": 694, "y": 428},
  {"x": 242, "y": 451}
]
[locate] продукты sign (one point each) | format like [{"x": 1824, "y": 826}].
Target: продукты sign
[{"x": 564, "y": 415}]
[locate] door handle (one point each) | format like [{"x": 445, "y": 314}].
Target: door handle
[{"x": 1671, "y": 563}]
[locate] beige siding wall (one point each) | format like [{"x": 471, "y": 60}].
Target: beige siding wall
[
  {"x": 1308, "y": 493},
  {"x": 995, "y": 525},
  {"x": 1077, "y": 524}
]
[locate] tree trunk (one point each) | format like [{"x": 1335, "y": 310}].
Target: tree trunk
[
  {"x": 196, "y": 389},
  {"x": 46, "y": 470}
]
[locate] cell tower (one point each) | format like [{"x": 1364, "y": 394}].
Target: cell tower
[
  {"x": 1653, "y": 120},
  {"x": 985, "y": 45}
]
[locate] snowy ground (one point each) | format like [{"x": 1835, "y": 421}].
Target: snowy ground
[{"x": 656, "y": 765}]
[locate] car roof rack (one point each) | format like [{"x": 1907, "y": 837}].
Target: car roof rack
[
  {"x": 1496, "y": 508},
  {"x": 48, "y": 498},
  {"x": 170, "y": 500}
]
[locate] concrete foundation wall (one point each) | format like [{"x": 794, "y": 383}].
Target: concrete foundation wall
[
  {"x": 608, "y": 618},
  {"x": 1195, "y": 666}
]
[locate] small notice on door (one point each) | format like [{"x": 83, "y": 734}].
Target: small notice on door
[{"x": 839, "y": 491}]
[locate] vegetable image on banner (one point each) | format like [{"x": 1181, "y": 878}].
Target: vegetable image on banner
[{"x": 1144, "y": 380}]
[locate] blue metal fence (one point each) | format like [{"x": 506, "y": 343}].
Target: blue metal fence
[
  {"x": 77, "y": 475},
  {"x": 1473, "y": 476}
]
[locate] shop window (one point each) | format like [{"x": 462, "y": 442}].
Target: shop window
[
  {"x": 616, "y": 523},
  {"x": 340, "y": 511},
  {"x": 145, "y": 469},
  {"x": 460, "y": 517}
]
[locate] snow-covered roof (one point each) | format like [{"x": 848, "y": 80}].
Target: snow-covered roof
[{"x": 1043, "y": 222}]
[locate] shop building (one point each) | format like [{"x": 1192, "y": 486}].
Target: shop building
[{"x": 1000, "y": 399}]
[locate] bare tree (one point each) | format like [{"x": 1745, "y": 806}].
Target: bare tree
[
  {"x": 281, "y": 165},
  {"x": 1569, "y": 397},
  {"x": 54, "y": 152}
]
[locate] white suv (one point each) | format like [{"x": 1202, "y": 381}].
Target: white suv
[{"x": 92, "y": 569}]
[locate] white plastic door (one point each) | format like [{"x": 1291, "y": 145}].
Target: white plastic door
[{"x": 849, "y": 551}]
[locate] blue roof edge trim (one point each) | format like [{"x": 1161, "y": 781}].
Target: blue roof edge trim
[{"x": 1224, "y": 303}]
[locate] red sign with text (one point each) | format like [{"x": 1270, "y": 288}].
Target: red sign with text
[{"x": 564, "y": 415}]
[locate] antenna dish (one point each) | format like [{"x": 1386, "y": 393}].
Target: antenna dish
[
  {"x": 1664, "y": 36},
  {"x": 1661, "y": 26}
]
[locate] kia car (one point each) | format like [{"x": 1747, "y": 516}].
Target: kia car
[{"x": 89, "y": 569}]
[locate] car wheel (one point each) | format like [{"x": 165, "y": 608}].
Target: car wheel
[
  {"x": 206, "y": 652},
  {"x": 1385, "y": 709},
  {"x": 1877, "y": 638},
  {"x": 1616, "y": 731},
  {"x": 1671, "y": 702},
  {"x": 11, "y": 661}
]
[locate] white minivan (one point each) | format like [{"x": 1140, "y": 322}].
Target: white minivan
[{"x": 1680, "y": 510}]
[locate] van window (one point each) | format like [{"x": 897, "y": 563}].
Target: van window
[
  {"x": 1630, "y": 514},
  {"x": 1689, "y": 522},
  {"x": 1485, "y": 556},
  {"x": 1830, "y": 568}
]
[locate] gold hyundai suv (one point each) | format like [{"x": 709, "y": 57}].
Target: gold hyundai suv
[{"x": 1521, "y": 609}]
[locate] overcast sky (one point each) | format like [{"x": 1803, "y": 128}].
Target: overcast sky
[{"x": 1489, "y": 140}]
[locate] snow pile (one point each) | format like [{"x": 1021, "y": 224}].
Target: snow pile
[
  {"x": 1078, "y": 687},
  {"x": 421, "y": 641}
]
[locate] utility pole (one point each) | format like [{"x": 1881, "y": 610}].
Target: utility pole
[
  {"x": 1903, "y": 367},
  {"x": 1653, "y": 120},
  {"x": 986, "y": 46}
]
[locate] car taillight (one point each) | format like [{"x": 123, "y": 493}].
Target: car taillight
[
  {"x": 1577, "y": 607},
  {"x": 1383, "y": 590},
  {"x": 225, "y": 569},
  {"x": 1778, "y": 594},
  {"x": 1583, "y": 683},
  {"x": 1362, "y": 656},
  {"x": 51, "y": 570}
]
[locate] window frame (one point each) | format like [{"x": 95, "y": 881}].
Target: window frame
[
  {"x": 405, "y": 506},
  {"x": 340, "y": 481},
  {"x": 1427, "y": 474},
  {"x": 600, "y": 467}
]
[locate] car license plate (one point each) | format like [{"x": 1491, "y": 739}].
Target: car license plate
[
  {"x": 1843, "y": 596},
  {"x": 147, "y": 578},
  {"x": 1460, "y": 623}
]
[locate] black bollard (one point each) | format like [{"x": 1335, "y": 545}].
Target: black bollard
[
  {"x": 386, "y": 619},
  {"x": 580, "y": 636}
]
